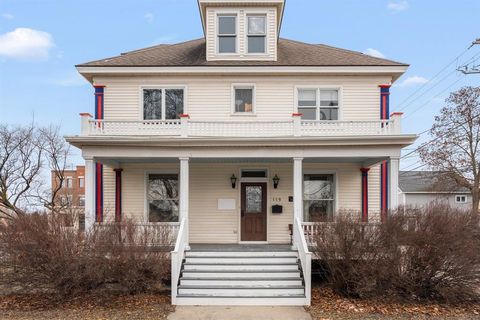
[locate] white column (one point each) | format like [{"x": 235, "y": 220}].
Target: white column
[
  {"x": 393, "y": 168},
  {"x": 184, "y": 197},
  {"x": 298, "y": 188},
  {"x": 89, "y": 194}
]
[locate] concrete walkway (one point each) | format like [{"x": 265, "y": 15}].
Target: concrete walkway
[{"x": 238, "y": 313}]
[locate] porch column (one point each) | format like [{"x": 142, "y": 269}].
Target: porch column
[
  {"x": 298, "y": 188},
  {"x": 393, "y": 167},
  {"x": 364, "y": 194},
  {"x": 118, "y": 194},
  {"x": 89, "y": 194},
  {"x": 184, "y": 197}
]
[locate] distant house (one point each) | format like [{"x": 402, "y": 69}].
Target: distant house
[{"x": 420, "y": 188}]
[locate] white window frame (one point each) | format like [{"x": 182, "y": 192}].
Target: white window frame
[
  {"x": 458, "y": 198},
  {"x": 69, "y": 183},
  {"x": 81, "y": 185},
  {"x": 254, "y": 102},
  {"x": 247, "y": 35},
  {"x": 333, "y": 172},
  {"x": 319, "y": 88},
  {"x": 163, "y": 88},
  {"x": 217, "y": 33},
  {"x": 146, "y": 208},
  {"x": 80, "y": 198}
]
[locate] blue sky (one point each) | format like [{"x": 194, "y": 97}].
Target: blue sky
[{"x": 41, "y": 41}]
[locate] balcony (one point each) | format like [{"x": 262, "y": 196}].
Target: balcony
[{"x": 188, "y": 128}]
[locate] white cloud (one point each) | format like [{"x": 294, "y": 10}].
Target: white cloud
[
  {"x": 71, "y": 80},
  {"x": 374, "y": 53},
  {"x": 7, "y": 16},
  {"x": 167, "y": 39},
  {"x": 25, "y": 43},
  {"x": 412, "y": 81},
  {"x": 149, "y": 17},
  {"x": 399, "y": 5}
]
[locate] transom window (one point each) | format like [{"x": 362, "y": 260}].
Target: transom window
[
  {"x": 256, "y": 34},
  {"x": 163, "y": 103},
  {"x": 318, "y": 197},
  {"x": 243, "y": 96},
  {"x": 162, "y": 197},
  {"x": 227, "y": 34},
  {"x": 254, "y": 173},
  {"x": 318, "y": 104}
]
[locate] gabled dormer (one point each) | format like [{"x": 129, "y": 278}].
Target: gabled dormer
[{"x": 241, "y": 29}]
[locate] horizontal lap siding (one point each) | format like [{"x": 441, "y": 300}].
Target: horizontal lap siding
[
  {"x": 374, "y": 193},
  {"x": 210, "y": 97}
]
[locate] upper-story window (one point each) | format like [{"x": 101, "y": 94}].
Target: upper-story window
[
  {"x": 243, "y": 98},
  {"x": 318, "y": 104},
  {"x": 227, "y": 34},
  {"x": 163, "y": 103},
  {"x": 256, "y": 34}
]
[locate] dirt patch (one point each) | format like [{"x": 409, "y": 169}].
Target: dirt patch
[
  {"x": 328, "y": 305},
  {"x": 92, "y": 306}
]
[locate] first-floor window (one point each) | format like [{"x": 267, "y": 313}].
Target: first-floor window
[
  {"x": 81, "y": 201},
  {"x": 163, "y": 103},
  {"x": 318, "y": 104},
  {"x": 162, "y": 197},
  {"x": 318, "y": 197}
]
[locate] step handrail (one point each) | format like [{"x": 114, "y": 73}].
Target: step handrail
[
  {"x": 305, "y": 257},
  {"x": 177, "y": 256}
]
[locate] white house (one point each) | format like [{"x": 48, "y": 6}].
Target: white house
[{"x": 235, "y": 141}]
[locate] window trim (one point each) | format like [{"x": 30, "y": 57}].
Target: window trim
[
  {"x": 162, "y": 87},
  {"x": 461, "y": 195},
  {"x": 319, "y": 88},
  {"x": 336, "y": 187},
  {"x": 81, "y": 178},
  {"x": 217, "y": 33},
  {"x": 247, "y": 35},
  {"x": 254, "y": 96},
  {"x": 67, "y": 186},
  {"x": 146, "y": 208}
]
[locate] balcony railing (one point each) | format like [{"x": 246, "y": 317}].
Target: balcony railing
[{"x": 185, "y": 128}]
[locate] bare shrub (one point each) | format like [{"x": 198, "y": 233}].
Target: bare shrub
[
  {"x": 430, "y": 254},
  {"x": 39, "y": 252}
]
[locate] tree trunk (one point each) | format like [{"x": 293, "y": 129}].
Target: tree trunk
[{"x": 475, "y": 203}]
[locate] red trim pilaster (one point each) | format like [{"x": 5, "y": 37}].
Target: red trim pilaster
[
  {"x": 118, "y": 194},
  {"x": 99, "y": 115},
  {"x": 364, "y": 194},
  {"x": 384, "y": 115}
]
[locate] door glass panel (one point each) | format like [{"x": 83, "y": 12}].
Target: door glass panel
[{"x": 253, "y": 199}]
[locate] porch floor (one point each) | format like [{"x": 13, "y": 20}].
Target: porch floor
[{"x": 240, "y": 247}]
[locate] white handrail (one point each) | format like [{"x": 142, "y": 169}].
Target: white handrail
[
  {"x": 305, "y": 257},
  {"x": 177, "y": 256}
]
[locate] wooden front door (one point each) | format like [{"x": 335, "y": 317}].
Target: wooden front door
[{"x": 254, "y": 212}]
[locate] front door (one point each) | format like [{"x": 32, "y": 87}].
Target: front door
[{"x": 254, "y": 212}]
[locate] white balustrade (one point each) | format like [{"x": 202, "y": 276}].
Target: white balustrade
[
  {"x": 305, "y": 257},
  {"x": 177, "y": 256}
]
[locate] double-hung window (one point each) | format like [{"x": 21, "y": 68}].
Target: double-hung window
[
  {"x": 318, "y": 104},
  {"x": 162, "y": 197},
  {"x": 318, "y": 197},
  {"x": 163, "y": 103},
  {"x": 227, "y": 34},
  {"x": 256, "y": 34}
]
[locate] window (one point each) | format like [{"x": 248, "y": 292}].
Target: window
[
  {"x": 81, "y": 182},
  {"x": 318, "y": 104},
  {"x": 227, "y": 34},
  {"x": 69, "y": 183},
  {"x": 162, "y": 197},
  {"x": 318, "y": 197},
  {"x": 162, "y": 103},
  {"x": 243, "y": 99},
  {"x": 66, "y": 200},
  {"x": 256, "y": 34},
  {"x": 81, "y": 201},
  {"x": 461, "y": 199}
]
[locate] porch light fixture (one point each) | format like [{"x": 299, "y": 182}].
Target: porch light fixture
[
  {"x": 233, "y": 180},
  {"x": 276, "y": 180}
]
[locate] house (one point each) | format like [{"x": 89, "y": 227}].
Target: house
[
  {"x": 239, "y": 142},
  {"x": 421, "y": 188},
  {"x": 70, "y": 195}
]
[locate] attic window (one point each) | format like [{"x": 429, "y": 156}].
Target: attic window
[
  {"x": 256, "y": 34},
  {"x": 227, "y": 34}
]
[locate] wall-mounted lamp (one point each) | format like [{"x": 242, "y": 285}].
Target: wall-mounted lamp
[
  {"x": 276, "y": 180},
  {"x": 233, "y": 180}
]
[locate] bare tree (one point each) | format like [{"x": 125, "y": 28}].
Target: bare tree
[{"x": 454, "y": 148}]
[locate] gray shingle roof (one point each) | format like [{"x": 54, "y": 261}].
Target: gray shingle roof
[
  {"x": 427, "y": 181},
  {"x": 192, "y": 53}
]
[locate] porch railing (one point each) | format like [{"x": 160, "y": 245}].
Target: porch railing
[
  {"x": 312, "y": 229},
  {"x": 305, "y": 257},
  {"x": 177, "y": 256},
  {"x": 186, "y": 128}
]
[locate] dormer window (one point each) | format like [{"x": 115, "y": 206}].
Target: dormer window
[
  {"x": 227, "y": 34},
  {"x": 256, "y": 34}
]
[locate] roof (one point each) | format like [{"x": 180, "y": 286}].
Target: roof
[
  {"x": 427, "y": 181},
  {"x": 193, "y": 53}
]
